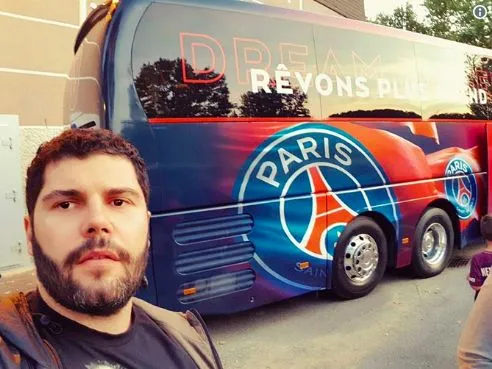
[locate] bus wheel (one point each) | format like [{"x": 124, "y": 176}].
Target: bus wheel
[
  {"x": 433, "y": 243},
  {"x": 360, "y": 258}
]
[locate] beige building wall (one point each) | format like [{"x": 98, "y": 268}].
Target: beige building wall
[
  {"x": 36, "y": 43},
  {"x": 36, "y": 39}
]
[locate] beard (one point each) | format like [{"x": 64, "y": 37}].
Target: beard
[{"x": 102, "y": 297}]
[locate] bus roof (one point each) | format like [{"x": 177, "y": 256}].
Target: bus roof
[{"x": 283, "y": 13}]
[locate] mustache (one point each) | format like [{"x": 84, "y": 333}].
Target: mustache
[{"x": 96, "y": 244}]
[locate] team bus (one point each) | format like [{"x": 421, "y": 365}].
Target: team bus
[{"x": 287, "y": 151}]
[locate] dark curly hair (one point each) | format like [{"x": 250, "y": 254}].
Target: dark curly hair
[{"x": 81, "y": 143}]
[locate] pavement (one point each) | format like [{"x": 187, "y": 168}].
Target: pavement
[
  {"x": 17, "y": 280},
  {"x": 405, "y": 323}
]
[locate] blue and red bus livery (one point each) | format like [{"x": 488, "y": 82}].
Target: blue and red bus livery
[{"x": 287, "y": 152}]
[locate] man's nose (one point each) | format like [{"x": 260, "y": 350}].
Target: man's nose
[{"x": 98, "y": 221}]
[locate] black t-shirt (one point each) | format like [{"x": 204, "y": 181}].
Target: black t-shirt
[{"x": 144, "y": 346}]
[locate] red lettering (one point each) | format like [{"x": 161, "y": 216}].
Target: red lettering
[
  {"x": 369, "y": 70},
  {"x": 288, "y": 53},
  {"x": 206, "y": 56},
  {"x": 482, "y": 78},
  {"x": 250, "y": 52}
]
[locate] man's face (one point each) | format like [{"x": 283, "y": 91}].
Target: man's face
[{"x": 89, "y": 233}]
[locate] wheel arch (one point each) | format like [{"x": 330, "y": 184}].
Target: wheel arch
[
  {"x": 389, "y": 232},
  {"x": 449, "y": 208}
]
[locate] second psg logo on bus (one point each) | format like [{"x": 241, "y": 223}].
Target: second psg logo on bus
[
  {"x": 310, "y": 180},
  {"x": 462, "y": 188}
]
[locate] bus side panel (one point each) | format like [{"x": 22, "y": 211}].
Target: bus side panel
[
  {"x": 413, "y": 206},
  {"x": 232, "y": 259},
  {"x": 463, "y": 160},
  {"x": 282, "y": 165},
  {"x": 451, "y": 149},
  {"x": 367, "y": 166}
]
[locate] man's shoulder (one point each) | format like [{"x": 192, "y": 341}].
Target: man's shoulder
[
  {"x": 14, "y": 296},
  {"x": 482, "y": 257},
  {"x": 17, "y": 333},
  {"x": 11, "y": 305},
  {"x": 16, "y": 312},
  {"x": 187, "y": 329},
  {"x": 167, "y": 318}
]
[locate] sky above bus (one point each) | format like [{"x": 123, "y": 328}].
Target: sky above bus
[{"x": 374, "y": 7}]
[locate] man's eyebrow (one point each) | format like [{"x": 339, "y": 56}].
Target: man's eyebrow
[
  {"x": 61, "y": 193},
  {"x": 76, "y": 193},
  {"x": 123, "y": 191}
]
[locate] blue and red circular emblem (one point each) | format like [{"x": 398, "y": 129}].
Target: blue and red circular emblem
[
  {"x": 461, "y": 190},
  {"x": 302, "y": 186}
]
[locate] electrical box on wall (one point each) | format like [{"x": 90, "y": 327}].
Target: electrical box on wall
[{"x": 13, "y": 250}]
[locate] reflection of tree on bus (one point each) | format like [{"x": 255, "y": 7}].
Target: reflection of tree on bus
[
  {"x": 377, "y": 113},
  {"x": 479, "y": 74},
  {"x": 274, "y": 104},
  {"x": 164, "y": 93}
]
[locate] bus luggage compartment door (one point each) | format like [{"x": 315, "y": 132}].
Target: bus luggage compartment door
[{"x": 234, "y": 258}]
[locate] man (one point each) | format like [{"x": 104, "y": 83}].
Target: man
[
  {"x": 475, "y": 344},
  {"x": 481, "y": 263},
  {"x": 87, "y": 228}
]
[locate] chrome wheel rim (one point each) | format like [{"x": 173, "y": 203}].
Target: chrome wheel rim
[
  {"x": 434, "y": 244},
  {"x": 361, "y": 258}
]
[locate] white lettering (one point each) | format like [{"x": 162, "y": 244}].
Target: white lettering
[
  {"x": 286, "y": 158},
  {"x": 306, "y": 150},
  {"x": 396, "y": 92},
  {"x": 473, "y": 95},
  {"x": 362, "y": 89},
  {"x": 384, "y": 87},
  {"x": 482, "y": 94},
  {"x": 327, "y": 147},
  {"x": 344, "y": 86},
  {"x": 283, "y": 86},
  {"x": 270, "y": 179},
  {"x": 304, "y": 83},
  {"x": 413, "y": 88},
  {"x": 344, "y": 151},
  {"x": 260, "y": 79},
  {"x": 329, "y": 88}
]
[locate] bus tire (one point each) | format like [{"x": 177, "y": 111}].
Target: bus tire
[
  {"x": 360, "y": 258},
  {"x": 433, "y": 243}
]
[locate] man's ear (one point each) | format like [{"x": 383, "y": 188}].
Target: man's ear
[{"x": 28, "y": 229}]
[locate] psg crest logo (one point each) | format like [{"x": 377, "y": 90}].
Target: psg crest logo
[
  {"x": 305, "y": 183},
  {"x": 462, "y": 189}
]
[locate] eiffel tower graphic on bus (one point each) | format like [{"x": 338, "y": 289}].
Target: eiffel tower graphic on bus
[
  {"x": 463, "y": 195},
  {"x": 329, "y": 205}
]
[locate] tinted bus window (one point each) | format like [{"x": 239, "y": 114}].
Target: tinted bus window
[
  {"x": 203, "y": 68},
  {"x": 215, "y": 65},
  {"x": 455, "y": 83},
  {"x": 371, "y": 76}
]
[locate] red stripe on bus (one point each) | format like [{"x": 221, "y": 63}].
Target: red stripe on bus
[
  {"x": 225, "y": 120},
  {"x": 300, "y": 119}
]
